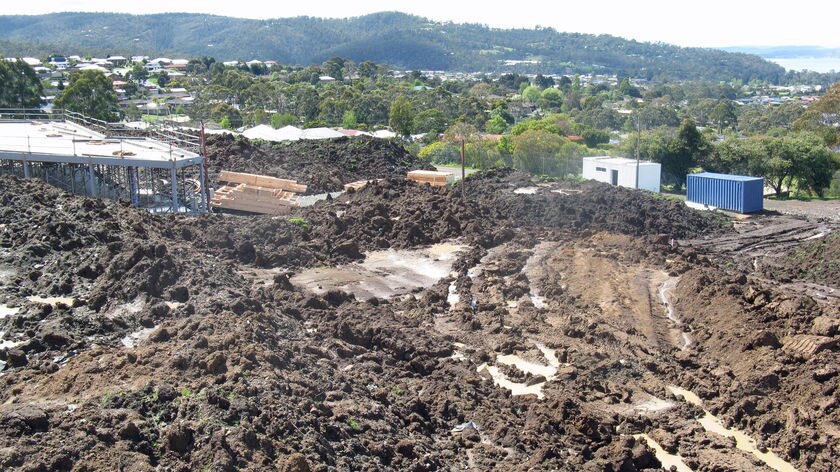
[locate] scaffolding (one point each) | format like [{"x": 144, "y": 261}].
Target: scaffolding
[{"x": 159, "y": 169}]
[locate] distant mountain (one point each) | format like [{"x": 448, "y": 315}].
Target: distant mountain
[{"x": 400, "y": 40}]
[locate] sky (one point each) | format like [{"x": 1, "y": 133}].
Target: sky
[{"x": 708, "y": 23}]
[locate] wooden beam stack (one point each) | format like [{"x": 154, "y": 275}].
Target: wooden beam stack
[
  {"x": 433, "y": 178},
  {"x": 359, "y": 184},
  {"x": 257, "y": 193}
]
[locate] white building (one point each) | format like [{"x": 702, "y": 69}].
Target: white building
[{"x": 622, "y": 171}]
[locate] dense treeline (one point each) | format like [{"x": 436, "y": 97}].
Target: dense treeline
[
  {"x": 401, "y": 40},
  {"x": 536, "y": 124}
]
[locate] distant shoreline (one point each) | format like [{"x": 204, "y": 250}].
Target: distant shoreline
[{"x": 816, "y": 64}]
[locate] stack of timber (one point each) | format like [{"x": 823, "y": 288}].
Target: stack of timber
[
  {"x": 359, "y": 184},
  {"x": 257, "y": 193},
  {"x": 433, "y": 178}
]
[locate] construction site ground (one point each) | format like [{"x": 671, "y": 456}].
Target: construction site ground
[{"x": 526, "y": 326}]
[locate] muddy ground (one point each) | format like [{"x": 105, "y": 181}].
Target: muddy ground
[
  {"x": 557, "y": 337},
  {"x": 325, "y": 165}
]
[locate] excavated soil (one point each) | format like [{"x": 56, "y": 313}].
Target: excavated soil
[
  {"x": 325, "y": 165},
  {"x": 568, "y": 322}
]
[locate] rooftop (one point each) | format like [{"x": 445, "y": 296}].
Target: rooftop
[{"x": 61, "y": 141}]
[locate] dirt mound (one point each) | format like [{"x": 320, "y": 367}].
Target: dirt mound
[
  {"x": 180, "y": 343},
  {"x": 324, "y": 165},
  {"x": 813, "y": 261}
]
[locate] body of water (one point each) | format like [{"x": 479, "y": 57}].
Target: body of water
[{"x": 816, "y": 64}]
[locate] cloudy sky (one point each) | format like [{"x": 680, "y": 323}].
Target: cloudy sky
[{"x": 709, "y": 23}]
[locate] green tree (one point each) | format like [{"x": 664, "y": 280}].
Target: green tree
[
  {"x": 496, "y": 125},
  {"x": 723, "y": 115},
  {"x": 138, "y": 73},
  {"x": 535, "y": 150},
  {"x": 19, "y": 85},
  {"x": 531, "y": 94},
  {"x": 439, "y": 152},
  {"x": 401, "y": 117},
  {"x": 92, "y": 94},
  {"x": 279, "y": 120},
  {"x": 430, "y": 121},
  {"x": 823, "y": 117},
  {"x": 348, "y": 121},
  {"x": 551, "y": 99},
  {"x": 686, "y": 151}
]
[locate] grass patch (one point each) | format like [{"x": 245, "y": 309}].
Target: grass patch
[{"x": 298, "y": 221}]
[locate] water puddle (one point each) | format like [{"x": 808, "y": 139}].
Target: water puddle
[
  {"x": 384, "y": 274},
  {"x": 668, "y": 460},
  {"x": 654, "y": 405},
  {"x": 7, "y": 344},
  {"x": 713, "y": 424},
  {"x": 526, "y": 190},
  {"x": 8, "y": 311},
  {"x": 665, "y": 291},
  {"x": 452, "y": 298},
  {"x": 54, "y": 301},
  {"x": 132, "y": 340},
  {"x": 548, "y": 371}
]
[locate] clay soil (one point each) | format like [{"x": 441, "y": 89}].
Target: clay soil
[{"x": 181, "y": 344}]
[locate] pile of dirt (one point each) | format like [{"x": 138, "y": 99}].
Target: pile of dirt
[
  {"x": 185, "y": 346},
  {"x": 324, "y": 165},
  {"x": 814, "y": 261}
]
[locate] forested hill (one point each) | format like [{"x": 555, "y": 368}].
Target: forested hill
[{"x": 400, "y": 40}]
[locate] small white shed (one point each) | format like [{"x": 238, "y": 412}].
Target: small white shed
[{"x": 622, "y": 171}]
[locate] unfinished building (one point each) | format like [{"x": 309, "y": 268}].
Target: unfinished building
[{"x": 161, "y": 170}]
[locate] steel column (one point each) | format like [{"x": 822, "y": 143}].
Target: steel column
[{"x": 173, "y": 177}]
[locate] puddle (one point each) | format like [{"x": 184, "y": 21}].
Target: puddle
[
  {"x": 384, "y": 274},
  {"x": 538, "y": 301},
  {"x": 54, "y": 301},
  {"x": 453, "y": 298},
  {"x": 713, "y": 424},
  {"x": 667, "y": 459},
  {"x": 8, "y": 311},
  {"x": 548, "y": 371},
  {"x": 664, "y": 296},
  {"x": 133, "y": 339},
  {"x": 654, "y": 405},
  {"x": 527, "y": 190},
  {"x": 6, "y": 344}
]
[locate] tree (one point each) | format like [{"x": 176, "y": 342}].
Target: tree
[
  {"x": 593, "y": 137},
  {"x": 496, "y": 125},
  {"x": 401, "y": 117},
  {"x": 348, "y": 121},
  {"x": 551, "y": 99},
  {"x": 534, "y": 151},
  {"x": 531, "y": 94},
  {"x": 723, "y": 115},
  {"x": 823, "y": 117},
  {"x": 430, "y": 121},
  {"x": 689, "y": 148},
  {"x": 92, "y": 94},
  {"x": 138, "y": 73},
  {"x": 19, "y": 85},
  {"x": 278, "y": 120}
]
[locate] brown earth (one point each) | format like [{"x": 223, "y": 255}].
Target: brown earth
[
  {"x": 325, "y": 165},
  {"x": 231, "y": 367}
]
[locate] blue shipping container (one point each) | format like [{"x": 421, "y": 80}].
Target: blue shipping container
[{"x": 739, "y": 193}]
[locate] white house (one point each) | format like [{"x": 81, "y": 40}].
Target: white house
[{"x": 622, "y": 171}]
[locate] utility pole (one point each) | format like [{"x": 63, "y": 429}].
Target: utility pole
[
  {"x": 463, "y": 167},
  {"x": 638, "y": 144}
]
